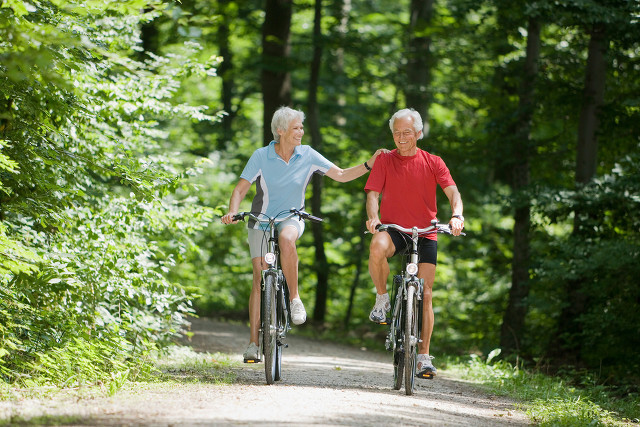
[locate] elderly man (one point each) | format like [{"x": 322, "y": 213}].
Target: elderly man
[{"x": 407, "y": 179}]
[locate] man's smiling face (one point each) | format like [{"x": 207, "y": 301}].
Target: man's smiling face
[{"x": 405, "y": 137}]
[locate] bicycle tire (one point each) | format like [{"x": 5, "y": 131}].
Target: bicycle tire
[
  {"x": 410, "y": 340},
  {"x": 269, "y": 332},
  {"x": 280, "y": 325},
  {"x": 397, "y": 337}
]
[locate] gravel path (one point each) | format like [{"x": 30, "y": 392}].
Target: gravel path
[{"x": 323, "y": 384}]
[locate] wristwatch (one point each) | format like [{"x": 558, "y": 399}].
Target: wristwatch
[{"x": 460, "y": 217}]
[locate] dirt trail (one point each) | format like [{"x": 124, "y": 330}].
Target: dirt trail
[{"x": 323, "y": 384}]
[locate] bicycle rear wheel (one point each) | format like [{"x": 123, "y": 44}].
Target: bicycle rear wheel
[
  {"x": 269, "y": 329},
  {"x": 410, "y": 339}
]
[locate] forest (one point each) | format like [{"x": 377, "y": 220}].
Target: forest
[{"x": 124, "y": 126}]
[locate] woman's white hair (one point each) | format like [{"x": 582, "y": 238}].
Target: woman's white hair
[
  {"x": 418, "y": 125},
  {"x": 282, "y": 118}
]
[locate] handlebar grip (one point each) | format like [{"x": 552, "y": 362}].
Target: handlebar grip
[
  {"x": 305, "y": 215},
  {"x": 314, "y": 218},
  {"x": 238, "y": 217}
]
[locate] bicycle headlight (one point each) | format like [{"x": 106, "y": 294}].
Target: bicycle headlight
[
  {"x": 270, "y": 258},
  {"x": 412, "y": 268}
]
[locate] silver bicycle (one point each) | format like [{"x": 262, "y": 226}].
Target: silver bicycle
[
  {"x": 405, "y": 324},
  {"x": 275, "y": 317}
]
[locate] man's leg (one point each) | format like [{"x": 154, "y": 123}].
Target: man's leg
[
  {"x": 427, "y": 272},
  {"x": 424, "y": 366},
  {"x": 380, "y": 249}
]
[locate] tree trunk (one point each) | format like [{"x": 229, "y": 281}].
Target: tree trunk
[
  {"x": 321, "y": 265},
  {"x": 565, "y": 344},
  {"x": 224, "y": 71},
  {"x": 593, "y": 96},
  {"x": 276, "y": 79},
  {"x": 514, "y": 316},
  {"x": 419, "y": 58},
  {"x": 360, "y": 255}
]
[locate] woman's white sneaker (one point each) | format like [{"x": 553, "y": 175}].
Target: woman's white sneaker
[
  {"x": 298, "y": 313},
  {"x": 424, "y": 367}
]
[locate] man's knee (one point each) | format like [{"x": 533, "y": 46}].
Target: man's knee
[{"x": 379, "y": 251}]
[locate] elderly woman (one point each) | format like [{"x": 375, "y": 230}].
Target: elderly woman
[{"x": 282, "y": 170}]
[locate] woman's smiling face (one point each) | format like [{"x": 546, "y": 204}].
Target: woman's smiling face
[{"x": 293, "y": 135}]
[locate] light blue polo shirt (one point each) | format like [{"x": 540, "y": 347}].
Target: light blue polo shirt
[{"x": 281, "y": 186}]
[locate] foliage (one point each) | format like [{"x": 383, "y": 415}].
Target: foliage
[
  {"x": 609, "y": 208},
  {"x": 91, "y": 203},
  {"x": 548, "y": 400},
  {"x": 107, "y": 109}
]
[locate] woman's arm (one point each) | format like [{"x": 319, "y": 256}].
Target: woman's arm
[
  {"x": 345, "y": 175},
  {"x": 240, "y": 190}
]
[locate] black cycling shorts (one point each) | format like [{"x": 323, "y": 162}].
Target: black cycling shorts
[{"x": 427, "y": 248}]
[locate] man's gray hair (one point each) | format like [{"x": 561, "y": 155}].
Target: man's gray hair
[
  {"x": 282, "y": 118},
  {"x": 418, "y": 125}
]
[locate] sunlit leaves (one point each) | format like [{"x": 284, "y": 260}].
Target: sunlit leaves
[{"x": 92, "y": 227}]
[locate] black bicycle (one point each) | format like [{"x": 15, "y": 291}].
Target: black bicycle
[
  {"x": 405, "y": 324},
  {"x": 275, "y": 317}
]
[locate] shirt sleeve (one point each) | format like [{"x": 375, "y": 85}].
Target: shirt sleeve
[
  {"x": 252, "y": 169},
  {"x": 443, "y": 176},
  {"x": 376, "y": 179},
  {"x": 321, "y": 163}
]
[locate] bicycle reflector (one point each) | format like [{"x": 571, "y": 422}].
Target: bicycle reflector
[
  {"x": 412, "y": 268},
  {"x": 270, "y": 258}
]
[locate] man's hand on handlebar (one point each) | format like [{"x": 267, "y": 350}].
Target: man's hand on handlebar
[
  {"x": 371, "y": 225},
  {"x": 456, "y": 225}
]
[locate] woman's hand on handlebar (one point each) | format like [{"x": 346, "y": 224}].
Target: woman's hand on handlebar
[{"x": 228, "y": 218}]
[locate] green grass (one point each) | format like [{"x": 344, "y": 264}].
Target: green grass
[
  {"x": 183, "y": 364},
  {"x": 177, "y": 364},
  {"x": 550, "y": 400}
]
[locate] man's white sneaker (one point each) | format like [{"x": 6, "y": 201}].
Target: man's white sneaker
[
  {"x": 298, "y": 313},
  {"x": 424, "y": 367},
  {"x": 380, "y": 309}
]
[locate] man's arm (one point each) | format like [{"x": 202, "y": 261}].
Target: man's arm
[
  {"x": 372, "y": 211},
  {"x": 240, "y": 190},
  {"x": 457, "y": 224}
]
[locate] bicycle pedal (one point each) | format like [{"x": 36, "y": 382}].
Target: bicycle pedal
[
  {"x": 426, "y": 375},
  {"x": 252, "y": 360},
  {"x": 385, "y": 321}
]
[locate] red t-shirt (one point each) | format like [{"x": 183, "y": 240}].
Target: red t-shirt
[{"x": 408, "y": 187}]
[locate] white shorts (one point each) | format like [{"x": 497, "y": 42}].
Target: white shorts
[{"x": 258, "y": 239}]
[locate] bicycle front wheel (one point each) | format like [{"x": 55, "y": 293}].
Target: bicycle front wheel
[
  {"x": 410, "y": 339},
  {"x": 269, "y": 327},
  {"x": 281, "y": 322},
  {"x": 396, "y": 336}
]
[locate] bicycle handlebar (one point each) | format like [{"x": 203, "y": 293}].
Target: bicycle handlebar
[
  {"x": 435, "y": 227},
  {"x": 293, "y": 212}
]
